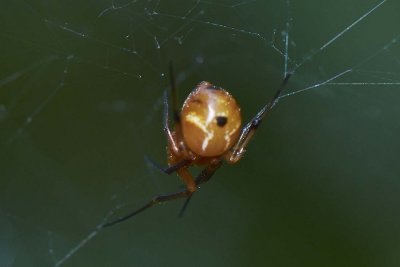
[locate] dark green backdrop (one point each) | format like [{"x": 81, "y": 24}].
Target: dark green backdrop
[{"x": 81, "y": 86}]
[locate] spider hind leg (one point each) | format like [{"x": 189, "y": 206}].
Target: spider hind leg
[{"x": 154, "y": 201}]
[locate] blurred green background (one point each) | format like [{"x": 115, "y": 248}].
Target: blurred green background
[{"x": 81, "y": 86}]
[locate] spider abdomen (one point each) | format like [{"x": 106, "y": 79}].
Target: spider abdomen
[{"x": 211, "y": 120}]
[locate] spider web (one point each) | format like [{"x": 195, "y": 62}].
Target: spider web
[{"x": 81, "y": 106}]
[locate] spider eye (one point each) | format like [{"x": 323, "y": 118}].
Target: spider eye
[{"x": 221, "y": 121}]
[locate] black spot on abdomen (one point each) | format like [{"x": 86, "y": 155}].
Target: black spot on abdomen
[{"x": 221, "y": 121}]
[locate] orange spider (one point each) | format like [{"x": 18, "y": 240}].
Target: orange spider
[{"x": 207, "y": 132}]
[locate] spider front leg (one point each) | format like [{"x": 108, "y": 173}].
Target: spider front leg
[
  {"x": 174, "y": 137},
  {"x": 174, "y": 146},
  {"x": 173, "y": 143},
  {"x": 237, "y": 152}
]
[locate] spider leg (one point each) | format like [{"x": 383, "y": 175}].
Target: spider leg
[
  {"x": 249, "y": 130},
  {"x": 169, "y": 169},
  {"x": 208, "y": 172},
  {"x": 174, "y": 95},
  {"x": 170, "y": 137},
  {"x": 154, "y": 201},
  {"x": 175, "y": 137},
  {"x": 186, "y": 177},
  {"x": 185, "y": 205},
  {"x": 203, "y": 177}
]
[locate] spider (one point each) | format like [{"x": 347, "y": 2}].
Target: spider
[{"x": 206, "y": 133}]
